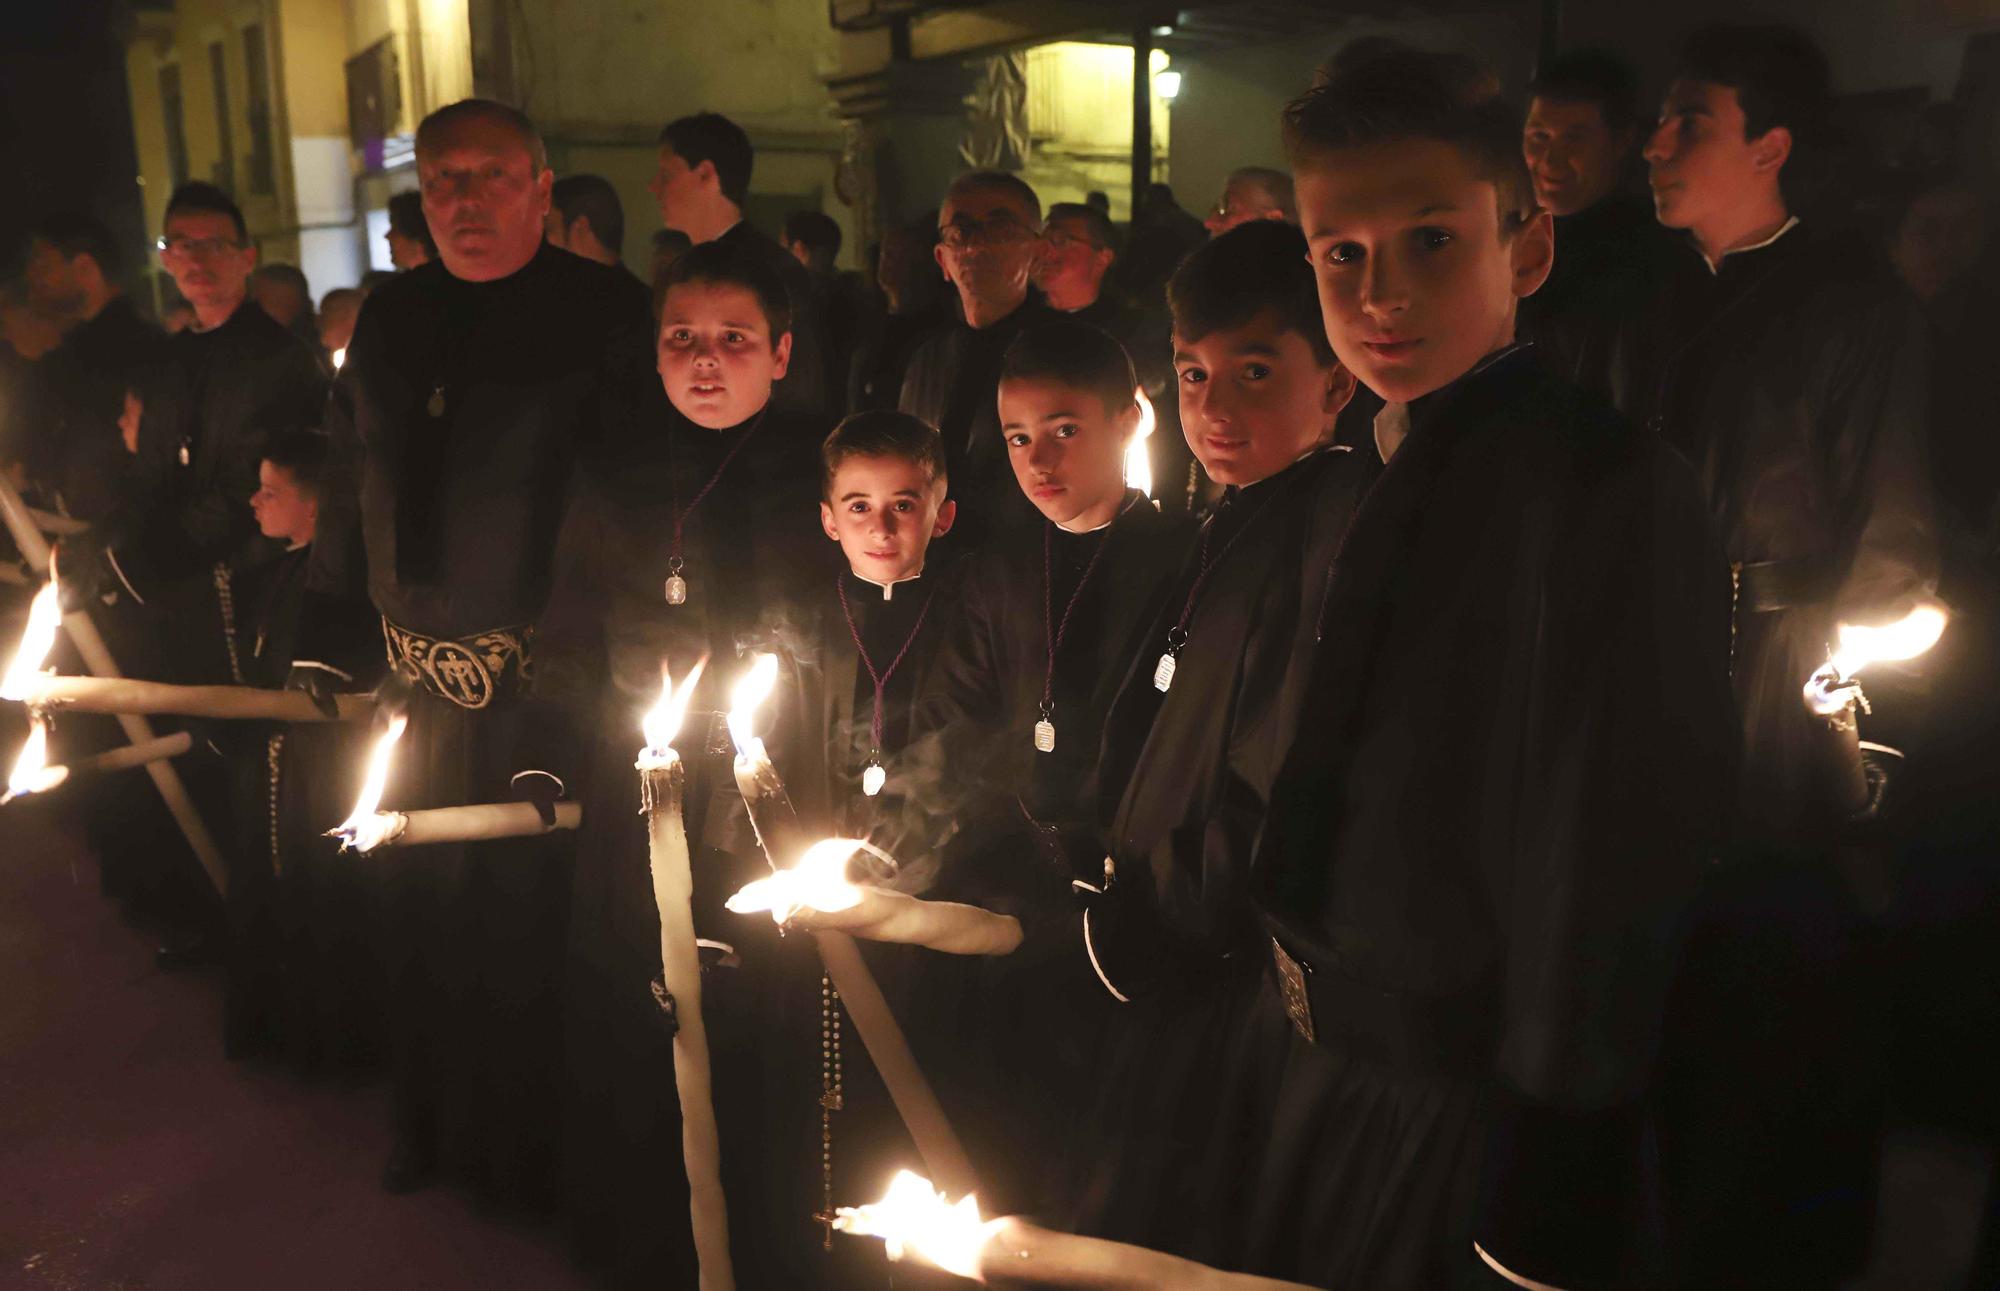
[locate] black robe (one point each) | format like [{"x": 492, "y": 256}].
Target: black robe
[
  {"x": 77, "y": 453},
  {"x": 953, "y": 382},
  {"x": 751, "y": 549},
  {"x": 223, "y": 394},
  {"x": 1794, "y": 379},
  {"x": 1511, "y": 763},
  {"x": 464, "y": 408},
  {"x": 1609, "y": 268},
  {"x": 1183, "y": 781},
  {"x": 1020, "y": 1069}
]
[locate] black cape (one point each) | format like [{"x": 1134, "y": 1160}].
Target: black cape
[
  {"x": 1511, "y": 761},
  {"x": 1610, "y": 264},
  {"x": 77, "y": 453}
]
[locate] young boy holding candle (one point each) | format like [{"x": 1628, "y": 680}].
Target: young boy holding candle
[
  {"x": 693, "y": 542},
  {"x": 1511, "y": 755}
]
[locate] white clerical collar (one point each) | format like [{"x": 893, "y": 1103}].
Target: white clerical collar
[
  {"x": 1715, "y": 265},
  {"x": 1123, "y": 507},
  {"x": 1392, "y": 427},
  {"x": 889, "y": 589},
  {"x": 298, "y": 546}
]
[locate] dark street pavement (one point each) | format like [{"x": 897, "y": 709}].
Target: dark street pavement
[{"x": 132, "y": 1155}]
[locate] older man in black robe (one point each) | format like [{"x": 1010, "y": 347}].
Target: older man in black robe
[{"x": 473, "y": 387}]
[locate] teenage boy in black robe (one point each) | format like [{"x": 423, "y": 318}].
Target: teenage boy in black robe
[
  {"x": 989, "y": 232},
  {"x": 1014, "y": 717},
  {"x": 1790, "y": 369},
  {"x": 1581, "y": 141},
  {"x": 1514, "y": 743},
  {"x": 473, "y": 387},
  {"x": 697, "y": 542}
]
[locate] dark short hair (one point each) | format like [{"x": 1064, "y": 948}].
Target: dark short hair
[
  {"x": 73, "y": 234},
  {"x": 994, "y": 181},
  {"x": 712, "y": 137},
  {"x": 1779, "y": 75},
  {"x": 406, "y": 217},
  {"x": 1255, "y": 268},
  {"x": 1073, "y": 354},
  {"x": 591, "y": 197},
  {"x": 1102, "y": 235},
  {"x": 725, "y": 264},
  {"x": 199, "y": 198},
  {"x": 819, "y": 231},
  {"x": 511, "y": 119},
  {"x": 882, "y": 433},
  {"x": 304, "y": 454},
  {"x": 340, "y": 296},
  {"x": 1402, "y": 94},
  {"x": 1594, "y": 76}
]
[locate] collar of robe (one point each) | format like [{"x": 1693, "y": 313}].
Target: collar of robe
[
  {"x": 1715, "y": 265},
  {"x": 888, "y": 589}
]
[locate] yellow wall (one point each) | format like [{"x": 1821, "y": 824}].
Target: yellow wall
[{"x": 1080, "y": 121}]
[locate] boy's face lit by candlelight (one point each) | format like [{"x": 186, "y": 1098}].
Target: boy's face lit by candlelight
[
  {"x": 1255, "y": 398},
  {"x": 1067, "y": 449},
  {"x": 1417, "y": 283},
  {"x": 716, "y": 356},
  {"x": 884, "y": 511},
  {"x": 285, "y": 509}
]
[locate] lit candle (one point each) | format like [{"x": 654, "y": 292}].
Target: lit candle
[
  {"x": 914, "y": 1219},
  {"x": 1833, "y": 687},
  {"x": 661, "y": 780},
  {"x": 121, "y": 758},
  {"x": 778, "y": 833},
  {"x": 32, "y": 772},
  {"x": 1138, "y": 458},
  {"x": 24, "y": 671}
]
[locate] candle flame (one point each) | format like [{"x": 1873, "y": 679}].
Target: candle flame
[
  {"x": 32, "y": 772},
  {"x": 1831, "y": 687},
  {"x": 750, "y": 691},
  {"x": 663, "y": 722},
  {"x": 914, "y": 1218},
  {"x": 44, "y": 617},
  {"x": 1138, "y": 460},
  {"x": 818, "y": 882},
  {"x": 339, "y": 358},
  {"x": 365, "y": 829}
]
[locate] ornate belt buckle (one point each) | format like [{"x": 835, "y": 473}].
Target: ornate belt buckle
[{"x": 1292, "y": 990}]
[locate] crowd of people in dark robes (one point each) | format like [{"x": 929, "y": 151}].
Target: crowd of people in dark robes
[{"x": 1416, "y": 862}]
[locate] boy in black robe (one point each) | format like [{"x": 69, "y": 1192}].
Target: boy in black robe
[
  {"x": 473, "y": 389},
  {"x": 1509, "y": 759},
  {"x": 697, "y": 541},
  {"x": 1015, "y": 718},
  {"x": 1790, "y": 369},
  {"x": 302, "y": 955}
]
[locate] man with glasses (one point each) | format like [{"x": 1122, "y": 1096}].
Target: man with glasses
[{"x": 989, "y": 237}]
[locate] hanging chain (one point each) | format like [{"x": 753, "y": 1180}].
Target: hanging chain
[
  {"x": 830, "y": 1100},
  {"x": 274, "y": 750},
  {"x": 225, "y": 596}
]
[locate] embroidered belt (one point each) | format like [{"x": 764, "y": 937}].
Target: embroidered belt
[{"x": 470, "y": 672}]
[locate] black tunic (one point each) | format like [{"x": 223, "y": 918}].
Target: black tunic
[
  {"x": 1511, "y": 761},
  {"x": 224, "y": 393},
  {"x": 953, "y": 382},
  {"x": 1182, "y": 786},
  {"x": 77, "y": 452},
  {"x": 1609, "y": 266},
  {"x": 750, "y": 549},
  {"x": 1794, "y": 380},
  {"x": 464, "y": 408},
  {"x": 1022, "y": 824}
]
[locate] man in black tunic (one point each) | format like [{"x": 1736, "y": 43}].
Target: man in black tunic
[
  {"x": 701, "y": 184},
  {"x": 1580, "y": 140},
  {"x": 76, "y": 454},
  {"x": 1789, "y": 369},
  {"x": 473, "y": 387},
  {"x": 988, "y": 234}
]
